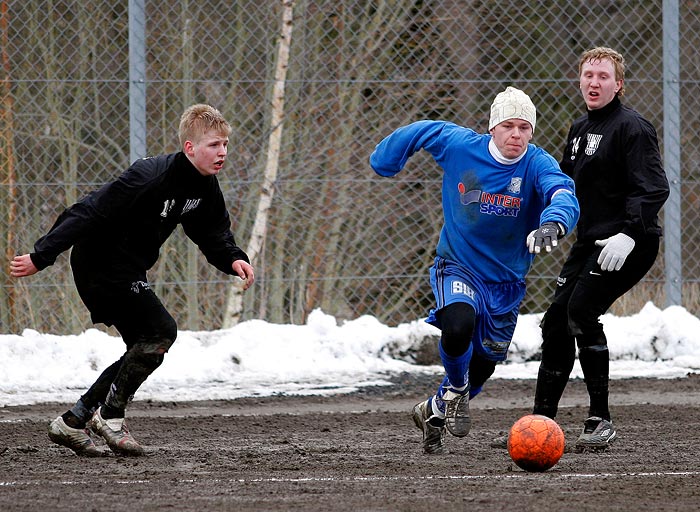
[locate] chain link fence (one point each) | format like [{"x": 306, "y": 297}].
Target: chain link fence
[{"x": 77, "y": 107}]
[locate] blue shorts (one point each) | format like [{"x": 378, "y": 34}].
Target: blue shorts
[{"x": 496, "y": 305}]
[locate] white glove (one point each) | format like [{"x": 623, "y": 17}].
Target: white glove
[{"x": 615, "y": 251}]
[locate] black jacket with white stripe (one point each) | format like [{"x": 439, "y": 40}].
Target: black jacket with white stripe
[{"x": 613, "y": 156}]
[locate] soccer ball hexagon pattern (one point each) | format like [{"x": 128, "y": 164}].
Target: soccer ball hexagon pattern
[{"x": 535, "y": 443}]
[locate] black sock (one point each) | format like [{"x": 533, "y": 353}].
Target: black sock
[
  {"x": 109, "y": 413},
  {"x": 548, "y": 391},
  {"x": 72, "y": 420},
  {"x": 595, "y": 364}
]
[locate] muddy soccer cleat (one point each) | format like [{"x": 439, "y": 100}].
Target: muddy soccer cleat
[
  {"x": 597, "y": 435},
  {"x": 116, "y": 434},
  {"x": 432, "y": 426},
  {"x": 500, "y": 442},
  {"x": 457, "y": 419},
  {"x": 76, "y": 439}
]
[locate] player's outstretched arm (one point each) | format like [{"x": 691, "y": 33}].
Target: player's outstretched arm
[
  {"x": 22, "y": 266},
  {"x": 245, "y": 271},
  {"x": 392, "y": 153}
]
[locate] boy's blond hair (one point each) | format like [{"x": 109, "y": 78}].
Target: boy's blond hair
[
  {"x": 198, "y": 120},
  {"x": 602, "y": 53}
]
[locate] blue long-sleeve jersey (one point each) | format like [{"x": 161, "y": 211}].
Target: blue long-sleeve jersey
[{"x": 489, "y": 208}]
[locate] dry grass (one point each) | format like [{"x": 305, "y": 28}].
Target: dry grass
[{"x": 634, "y": 300}]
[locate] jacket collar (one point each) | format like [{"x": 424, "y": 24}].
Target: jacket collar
[{"x": 602, "y": 113}]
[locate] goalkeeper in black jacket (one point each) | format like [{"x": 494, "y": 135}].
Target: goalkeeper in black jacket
[
  {"x": 116, "y": 233},
  {"x": 612, "y": 154}
]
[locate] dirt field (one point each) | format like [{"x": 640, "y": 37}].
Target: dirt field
[{"x": 361, "y": 452}]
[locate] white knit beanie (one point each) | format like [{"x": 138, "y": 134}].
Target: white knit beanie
[{"x": 512, "y": 104}]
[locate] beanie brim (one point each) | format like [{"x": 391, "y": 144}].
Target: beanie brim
[{"x": 512, "y": 104}]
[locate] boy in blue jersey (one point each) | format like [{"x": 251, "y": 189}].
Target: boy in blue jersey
[{"x": 503, "y": 201}]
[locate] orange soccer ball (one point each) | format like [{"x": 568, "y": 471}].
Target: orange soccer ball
[{"x": 535, "y": 443}]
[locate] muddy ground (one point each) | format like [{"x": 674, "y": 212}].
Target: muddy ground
[{"x": 361, "y": 452}]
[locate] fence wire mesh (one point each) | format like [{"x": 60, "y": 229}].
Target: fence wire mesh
[{"x": 338, "y": 237}]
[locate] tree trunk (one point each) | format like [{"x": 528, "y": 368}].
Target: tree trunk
[
  {"x": 259, "y": 231},
  {"x": 7, "y": 177}
]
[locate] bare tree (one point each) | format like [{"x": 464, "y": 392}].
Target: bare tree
[
  {"x": 234, "y": 307},
  {"x": 7, "y": 172}
]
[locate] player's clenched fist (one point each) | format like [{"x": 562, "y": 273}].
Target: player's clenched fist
[
  {"x": 22, "y": 266},
  {"x": 245, "y": 271}
]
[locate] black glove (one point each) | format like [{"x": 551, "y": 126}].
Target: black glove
[{"x": 545, "y": 236}]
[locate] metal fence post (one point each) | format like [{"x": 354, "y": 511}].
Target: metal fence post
[
  {"x": 672, "y": 151},
  {"x": 137, "y": 79}
]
